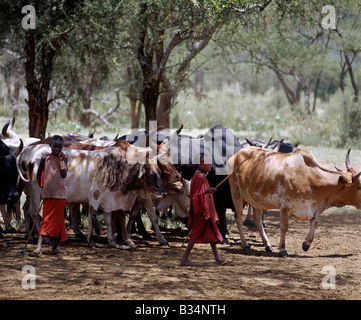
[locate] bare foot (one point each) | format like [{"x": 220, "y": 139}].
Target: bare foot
[
  {"x": 222, "y": 261},
  {"x": 35, "y": 253}
]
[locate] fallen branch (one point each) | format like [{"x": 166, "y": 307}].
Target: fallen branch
[{"x": 101, "y": 118}]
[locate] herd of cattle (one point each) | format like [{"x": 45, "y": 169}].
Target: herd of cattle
[{"x": 153, "y": 170}]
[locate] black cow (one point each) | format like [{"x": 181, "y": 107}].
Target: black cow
[
  {"x": 9, "y": 193},
  {"x": 220, "y": 144},
  {"x": 277, "y": 145}
]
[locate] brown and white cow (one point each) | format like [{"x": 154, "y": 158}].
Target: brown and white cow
[
  {"x": 174, "y": 184},
  {"x": 293, "y": 182},
  {"x": 102, "y": 178}
]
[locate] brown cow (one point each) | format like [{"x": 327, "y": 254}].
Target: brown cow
[{"x": 293, "y": 182}]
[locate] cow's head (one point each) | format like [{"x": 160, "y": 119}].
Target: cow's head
[
  {"x": 179, "y": 201},
  {"x": 171, "y": 178},
  {"x": 149, "y": 178},
  {"x": 351, "y": 180},
  {"x": 8, "y": 136},
  {"x": 9, "y": 177},
  {"x": 120, "y": 175}
]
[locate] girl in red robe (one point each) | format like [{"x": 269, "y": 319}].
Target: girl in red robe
[
  {"x": 50, "y": 176},
  {"x": 203, "y": 217}
]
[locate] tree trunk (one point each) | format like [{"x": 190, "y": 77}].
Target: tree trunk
[
  {"x": 316, "y": 90},
  {"x": 292, "y": 98},
  {"x": 87, "y": 91},
  {"x": 68, "y": 111},
  {"x": 135, "y": 111},
  {"x": 163, "y": 110},
  {"x": 352, "y": 77},
  {"x": 166, "y": 104},
  {"x": 38, "y": 86},
  {"x": 306, "y": 90},
  {"x": 149, "y": 98}
]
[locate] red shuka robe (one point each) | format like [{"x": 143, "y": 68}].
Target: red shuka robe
[
  {"x": 54, "y": 197},
  {"x": 203, "y": 217}
]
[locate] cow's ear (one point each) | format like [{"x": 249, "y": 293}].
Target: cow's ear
[
  {"x": 345, "y": 178},
  {"x": 141, "y": 171},
  {"x": 356, "y": 176}
]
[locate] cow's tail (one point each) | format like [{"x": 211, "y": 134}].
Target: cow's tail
[
  {"x": 18, "y": 167},
  {"x": 311, "y": 161}
]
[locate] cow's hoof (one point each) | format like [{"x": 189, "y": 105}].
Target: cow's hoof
[
  {"x": 80, "y": 236},
  {"x": 164, "y": 244},
  {"x": 129, "y": 243},
  {"x": 93, "y": 245},
  {"x": 283, "y": 253},
  {"x": 124, "y": 247},
  {"x": 247, "y": 249},
  {"x": 305, "y": 246},
  {"x": 269, "y": 249}
]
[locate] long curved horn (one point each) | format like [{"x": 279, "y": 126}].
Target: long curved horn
[
  {"x": 250, "y": 143},
  {"x": 268, "y": 143},
  {"x": 166, "y": 142},
  {"x": 149, "y": 137},
  {"x": 18, "y": 150},
  {"x": 5, "y": 128},
  {"x": 18, "y": 167},
  {"x": 348, "y": 162},
  {"x": 278, "y": 145}
]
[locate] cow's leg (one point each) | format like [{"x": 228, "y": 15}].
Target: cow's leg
[
  {"x": 74, "y": 213},
  {"x": 238, "y": 206},
  {"x": 6, "y": 216},
  {"x": 17, "y": 211},
  {"x": 10, "y": 212},
  {"x": 238, "y": 217},
  {"x": 284, "y": 219},
  {"x": 90, "y": 226},
  {"x": 123, "y": 230},
  {"x": 148, "y": 206},
  {"x": 31, "y": 210},
  {"x": 306, "y": 244},
  {"x": 257, "y": 217},
  {"x": 132, "y": 215},
  {"x": 111, "y": 237},
  {"x": 263, "y": 220},
  {"x": 248, "y": 222}
]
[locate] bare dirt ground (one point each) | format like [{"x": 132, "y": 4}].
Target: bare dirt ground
[{"x": 153, "y": 272}]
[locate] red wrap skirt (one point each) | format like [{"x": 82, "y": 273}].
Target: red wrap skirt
[{"x": 53, "y": 224}]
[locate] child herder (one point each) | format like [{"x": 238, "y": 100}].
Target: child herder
[
  {"x": 203, "y": 217},
  {"x": 50, "y": 176}
]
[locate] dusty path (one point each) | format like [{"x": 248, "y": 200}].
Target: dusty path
[{"x": 153, "y": 272}]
